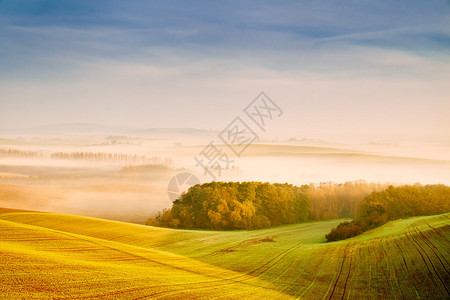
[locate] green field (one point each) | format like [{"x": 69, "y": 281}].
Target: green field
[{"x": 46, "y": 255}]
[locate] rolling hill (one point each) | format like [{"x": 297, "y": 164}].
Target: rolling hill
[{"x": 45, "y": 255}]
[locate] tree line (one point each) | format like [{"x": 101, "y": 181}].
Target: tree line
[
  {"x": 95, "y": 156},
  {"x": 394, "y": 203},
  {"x": 102, "y": 156},
  {"x": 252, "y": 205},
  {"x": 19, "y": 153},
  {"x": 147, "y": 167}
]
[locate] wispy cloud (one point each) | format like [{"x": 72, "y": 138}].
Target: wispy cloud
[{"x": 58, "y": 58}]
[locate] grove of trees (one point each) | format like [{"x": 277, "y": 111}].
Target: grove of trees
[
  {"x": 252, "y": 205},
  {"x": 233, "y": 205},
  {"x": 394, "y": 203}
]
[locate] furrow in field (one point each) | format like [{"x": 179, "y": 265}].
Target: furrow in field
[
  {"x": 426, "y": 261},
  {"x": 413, "y": 227},
  {"x": 406, "y": 266},
  {"x": 439, "y": 231},
  {"x": 335, "y": 284},
  {"x": 426, "y": 239}
]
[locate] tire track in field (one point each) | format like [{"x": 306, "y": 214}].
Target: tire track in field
[
  {"x": 348, "y": 275},
  {"x": 177, "y": 287},
  {"x": 406, "y": 266},
  {"x": 437, "y": 231},
  {"x": 340, "y": 273},
  {"x": 286, "y": 270},
  {"x": 408, "y": 235},
  {"x": 389, "y": 269},
  {"x": 191, "y": 288},
  {"x": 216, "y": 278},
  {"x": 114, "y": 293},
  {"x": 419, "y": 248},
  {"x": 269, "y": 264},
  {"x": 298, "y": 293},
  {"x": 265, "y": 267},
  {"x": 272, "y": 262},
  {"x": 171, "y": 288},
  {"x": 428, "y": 242}
]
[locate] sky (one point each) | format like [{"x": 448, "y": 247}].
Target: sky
[{"x": 338, "y": 69}]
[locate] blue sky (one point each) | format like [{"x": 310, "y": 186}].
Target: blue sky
[{"x": 338, "y": 68}]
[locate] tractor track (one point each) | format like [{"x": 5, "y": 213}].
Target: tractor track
[
  {"x": 431, "y": 246},
  {"x": 406, "y": 266},
  {"x": 340, "y": 273},
  {"x": 420, "y": 250},
  {"x": 437, "y": 231}
]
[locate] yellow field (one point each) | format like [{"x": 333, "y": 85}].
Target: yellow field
[{"x": 46, "y": 255}]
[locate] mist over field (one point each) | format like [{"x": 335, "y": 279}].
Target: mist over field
[
  {"x": 40, "y": 171},
  {"x": 252, "y": 149}
]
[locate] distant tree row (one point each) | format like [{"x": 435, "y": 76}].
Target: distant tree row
[
  {"x": 147, "y": 167},
  {"x": 97, "y": 156},
  {"x": 233, "y": 205},
  {"x": 394, "y": 203},
  {"x": 102, "y": 156},
  {"x": 19, "y": 153}
]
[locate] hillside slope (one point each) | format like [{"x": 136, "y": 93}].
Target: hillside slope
[{"x": 52, "y": 255}]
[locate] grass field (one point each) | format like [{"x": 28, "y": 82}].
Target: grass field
[{"x": 46, "y": 255}]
